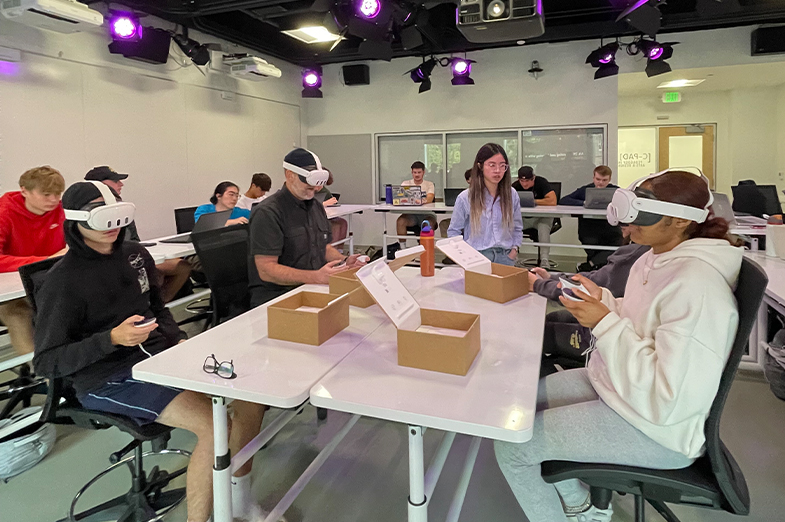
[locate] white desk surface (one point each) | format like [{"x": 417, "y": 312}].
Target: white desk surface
[
  {"x": 276, "y": 373},
  {"x": 441, "y": 208},
  {"x": 748, "y": 231},
  {"x": 495, "y": 400},
  {"x": 775, "y": 270},
  {"x": 345, "y": 210},
  {"x": 11, "y": 286}
]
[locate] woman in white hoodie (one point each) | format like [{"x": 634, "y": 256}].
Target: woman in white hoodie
[{"x": 660, "y": 351}]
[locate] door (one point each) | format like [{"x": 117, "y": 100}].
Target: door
[{"x": 688, "y": 146}]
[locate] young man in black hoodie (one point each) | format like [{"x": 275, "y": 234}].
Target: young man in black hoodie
[
  {"x": 594, "y": 231},
  {"x": 85, "y": 332}
]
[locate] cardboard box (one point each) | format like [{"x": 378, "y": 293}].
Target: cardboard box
[
  {"x": 451, "y": 340},
  {"x": 308, "y": 317},
  {"x": 347, "y": 282},
  {"x": 504, "y": 284},
  {"x": 491, "y": 281}
]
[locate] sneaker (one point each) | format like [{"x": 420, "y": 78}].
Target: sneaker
[
  {"x": 392, "y": 249},
  {"x": 544, "y": 263},
  {"x": 257, "y": 514},
  {"x": 593, "y": 514}
]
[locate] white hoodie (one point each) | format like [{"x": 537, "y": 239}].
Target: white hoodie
[{"x": 662, "y": 349}]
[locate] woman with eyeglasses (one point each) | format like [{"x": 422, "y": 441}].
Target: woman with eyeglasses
[
  {"x": 225, "y": 197},
  {"x": 488, "y": 213}
]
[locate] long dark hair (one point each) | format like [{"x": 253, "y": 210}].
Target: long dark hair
[
  {"x": 477, "y": 188},
  {"x": 220, "y": 189},
  {"x": 685, "y": 188}
]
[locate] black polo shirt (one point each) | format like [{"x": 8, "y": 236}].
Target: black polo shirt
[{"x": 296, "y": 232}]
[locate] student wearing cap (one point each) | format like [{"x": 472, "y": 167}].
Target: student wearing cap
[
  {"x": 31, "y": 229},
  {"x": 259, "y": 189},
  {"x": 544, "y": 195},
  {"x": 176, "y": 271},
  {"x": 290, "y": 234},
  {"x": 88, "y": 305}
]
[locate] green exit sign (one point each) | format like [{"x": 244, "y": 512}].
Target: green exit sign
[{"x": 671, "y": 97}]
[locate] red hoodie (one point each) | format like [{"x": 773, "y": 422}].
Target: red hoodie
[{"x": 26, "y": 237}]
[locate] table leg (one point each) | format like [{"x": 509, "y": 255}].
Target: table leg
[
  {"x": 463, "y": 483},
  {"x": 418, "y": 505},
  {"x": 351, "y": 234},
  {"x": 222, "y": 467}
]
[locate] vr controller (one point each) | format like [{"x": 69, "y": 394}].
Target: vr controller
[{"x": 567, "y": 287}]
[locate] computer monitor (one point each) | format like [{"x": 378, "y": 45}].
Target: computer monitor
[
  {"x": 756, "y": 200},
  {"x": 450, "y": 195}
]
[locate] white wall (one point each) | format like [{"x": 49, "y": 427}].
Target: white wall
[
  {"x": 505, "y": 95},
  {"x": 72, "y": 104}
]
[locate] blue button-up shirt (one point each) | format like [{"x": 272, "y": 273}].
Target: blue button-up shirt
[{"x": 492, "y": 232}]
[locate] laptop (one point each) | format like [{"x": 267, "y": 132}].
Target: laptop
[
  {"x": 405, "y": 196},
  {"x": 527, "y": 198},
  {"x": 722, "y": 209},
  {"x": 206, "y": 222},
  {"x": 450, "y": 195},
  {"x": 598, "y": 198}
]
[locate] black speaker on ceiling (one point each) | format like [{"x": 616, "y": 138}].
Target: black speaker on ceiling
[
  {"x": 358, "y": 74},
  {"x": 768, "y": 40},
  {"x": 153, "y": 47}
]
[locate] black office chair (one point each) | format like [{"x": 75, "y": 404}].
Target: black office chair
[
  {"x": 756, "y": 200},
  {"x": 533, "y": 234},
  {"x": 224, "y": 256},
  {"x": 148, "y": 499},
  {"x": 184, "y": 219},
  {"x": 713, "y": 481}
]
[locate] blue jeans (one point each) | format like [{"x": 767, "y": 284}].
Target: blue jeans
[{"x": 498, "y": 255}]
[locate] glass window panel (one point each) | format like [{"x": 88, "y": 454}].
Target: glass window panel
[
  {"x": 462, "y": 149},
  {"x": 397, "y": 153},
  {"x": 565, "y": 155}
]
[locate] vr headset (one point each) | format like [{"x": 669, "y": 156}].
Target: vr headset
[
  {"x": 638, "y": 206},
  {"x": 102, "y": 216},
  {"x": 315, "y": 178}
]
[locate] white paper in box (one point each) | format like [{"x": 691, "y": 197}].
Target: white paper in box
[
  {"x": 391, "y": 295},
  {"x": 467, "y": 257}
]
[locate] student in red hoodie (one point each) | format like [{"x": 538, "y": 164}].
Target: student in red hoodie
[{"x": 31, "y": 229}]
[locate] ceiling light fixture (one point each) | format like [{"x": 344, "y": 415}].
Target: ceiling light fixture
[
  {"x": 604, "y": 59},
  {"x": 656, "y": 53},
  {"x": 369, "y": 9},
  {"x": 125, "y": 27},
  {"x": 198, "y": 53},
  {"x": 312, "y": 80},
  {"x": 676, "y": 84},
  {"x": 422, "y": 74},
  {"x": 461, "y": 69},
  {"x": 313, "y": 34}
]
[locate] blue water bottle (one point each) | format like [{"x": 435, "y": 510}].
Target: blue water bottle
[{"x": 388, "y": 194}]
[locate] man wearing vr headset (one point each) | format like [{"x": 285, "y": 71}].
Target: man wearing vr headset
[
  {"x": 290, "y": 235},
  {"x": 648, "y": 387},
  {"x": 93, "y": 325}
]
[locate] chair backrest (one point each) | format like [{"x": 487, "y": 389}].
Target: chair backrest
[
  {"x": 223, "y": 253},
  {"x": 556, "y": 186},
  {"x": 756, "y": 199},
  {"x": 749, "y": 294},
  {"x": 33, "y": 276},
  {"x": 184, "y": 219}
]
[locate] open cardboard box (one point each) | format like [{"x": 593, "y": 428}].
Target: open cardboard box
[
  {"x": 491, "y": 281},
  {"x": 347, "y": 283},
  {"x": 308, "y": 317},
  {"x": 435, "y": 340}
]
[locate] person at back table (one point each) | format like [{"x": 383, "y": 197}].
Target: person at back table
[
  {"x": 258, "y": 191},
  {"x": 31, "y": 229},
  {"x": 410, "y": 220},
  {"x": 290, "y": 235},
  {"x": 595, "y": 231},
  {"x": 544, "y": 195},
  {"x": 225, "y": 197}
]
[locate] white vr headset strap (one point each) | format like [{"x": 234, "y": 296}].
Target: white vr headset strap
[
  {"x": 84, "y": 215},
  {"x": 704, "y": 212},
  {"x": 663, "y": 208},
  {"x": 301, "y": 171}
]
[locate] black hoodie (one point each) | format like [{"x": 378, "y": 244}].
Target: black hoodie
[{"x": 82, "y": 298}]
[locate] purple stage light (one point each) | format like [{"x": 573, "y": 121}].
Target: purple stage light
[
  {"x": 370, "y": 9},
  {"x": 461, "y": 67},
  {"x": 124, "y": 27},
  {"x": 310, "y": 79},
  {"x": 608, "y": 58},
  {"x": 655, "y": 52}
]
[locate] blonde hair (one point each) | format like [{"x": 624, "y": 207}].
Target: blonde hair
[
  {"x": 45, "y": 179},
  {"x": 477, "y": 188}
]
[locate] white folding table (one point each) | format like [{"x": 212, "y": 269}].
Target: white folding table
[
  {"x": 346, "y": 211},
  {"x": 271, "y": 372},
  {"x": 11, "y": 286},
  {"x": 495, "y": 400},
  {"x": 774, "y": 298}
]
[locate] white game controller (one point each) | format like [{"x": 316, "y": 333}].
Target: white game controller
[{"x": 567, "y": 287}]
